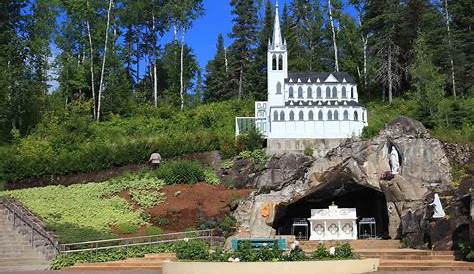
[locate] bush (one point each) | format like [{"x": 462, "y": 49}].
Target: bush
[
  {"x": 66, "y": 260},
  {"x": 344, "y": 251},
  {"x": 153, "y": 230},
  {"x": 252, "y": 140},
  {"x": 321, "y": 253},
  {"x": 258, "y": 156},
  {"x": 125, "y": 228},
  {"x": 296, "y": 254},
  {"x": 181, "y": 172},
  {"x": 467, "y": 251},
  {"x": 210, "y": 177},
  {"x": 308, "y": 151},
  {"x": 196, "y": 250}
]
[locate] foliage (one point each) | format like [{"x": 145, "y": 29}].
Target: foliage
[
  {"x": 308, "y": 151},
  {"x": 467, "y": 251},
  {"x": 258, "y": 156},
  {"x": 153, "y": 230},
  {"x": 343, "y": 251},
  {"x": 251, "y": 140},
  {"x": 321, "y": 252},
  {"x": 296, "y": 254},
  {"x": 87, "y": 211},
  {"x": 227, "y": 164},
  {"x": 219, "y": 255},
  {"x": 125, "y": 228},
  {"x": 192, "y": 250},
  {"x": 181, "y": 172},
  {"x": 66, "y": 260},
  {"x": 146, "y": 198},
  {"x": 210, "y": 177},
  {"x": 225, "y": 225},
  {"x": 161, "y": 221}
]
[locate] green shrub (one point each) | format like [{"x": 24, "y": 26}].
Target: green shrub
[
  {"x": 467, "y": 251},
  {"x": 146, "y": 198},
  {"x": 296, "y": 254},
  {"x": 153, "y": 230},
  {"x": 181, "y": 172},
  {"x": 258, "y": 156},
  {"x": 66, "y": 260},
  {"x": 252, "y": 140},
  {"x": 210, "y": 177},
  {"x": 321, "y": 253},
  {"x": 227, "y": 164},
  {"x": 308, "y": 151},
  {"x": 196, "y": 250},
  {"x": 125, "y": 228},
  {"x": 161, "y": 221},
  {"x": 344, "y": 251},
  {"x": 219, "y": 255}
]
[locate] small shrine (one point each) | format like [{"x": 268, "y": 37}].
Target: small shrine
[{"x": 333, "y": 223}]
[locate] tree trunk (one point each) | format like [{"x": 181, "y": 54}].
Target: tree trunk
[
  {"x": 101, "y": 86},
  {"x": 241, "y": 78},
  {"x": 365, "y": 41},
  {"x": 336, "y": 62},
  {"x": 181, "y": 81},
  {"x": 92, "y": 65},
  {"x": 450, "y": 47},
  {"x": 389, "y": 72},
  {"x": 225, "y": 59},
  {"x": 155, "y": 78}
]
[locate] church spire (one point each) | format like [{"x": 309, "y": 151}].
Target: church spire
[{"x": 277, "y": 38}]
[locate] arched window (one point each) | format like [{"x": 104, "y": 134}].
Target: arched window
[
  {"x": 290, "y": 93},
  {"x": 352, "y": 92},
  {"x": 344, "y": 92},
  {"x": 320, "y": 115},
  {"x": 278, "y": 88},
  {"x": 328, "y": 92},
  {"x": 292, "y": 116},
  {"x": 301, "y": 116},
  {"x": 346, "y": 115},
  {"x": 310, "y": 115},
  {"x": 282, "y": 115},
  {"x": 280, "y": 62},
  {"x": 275, "y": 115},
  {"x": 329, "y": 115},
  {"x": 310, "y": 93},
  {"x": 274, "y": 62},
  {"x": 336, "y": 115},
  {"x": 356, "y": 116},
  {"x": 300, "y": 92},
  {"x": 318, "y": 92},
  {"x": 334, "y": 92},
  {"x": 261, "y": 113}
]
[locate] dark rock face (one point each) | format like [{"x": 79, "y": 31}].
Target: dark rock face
[{"x": 424, "y": 170}]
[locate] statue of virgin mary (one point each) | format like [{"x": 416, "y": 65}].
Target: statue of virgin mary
[{"x": 394, "y": 161}]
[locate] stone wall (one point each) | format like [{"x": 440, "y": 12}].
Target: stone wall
[{"x": 320, "y": 146}]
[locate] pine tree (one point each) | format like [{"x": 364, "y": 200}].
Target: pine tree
[
  {"x": 216, "y": 82},
  {"x": 244, "y": 33},
  {"x": 261, "y": 52}
]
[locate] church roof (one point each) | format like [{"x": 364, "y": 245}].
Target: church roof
[
  {"x": 319, "y": 77},
  {"x": 321, "y": 103}
]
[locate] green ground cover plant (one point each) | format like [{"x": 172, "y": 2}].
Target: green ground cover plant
[
  {"x": 66, "y": 260},
  {"x": 86, "y": 212}
]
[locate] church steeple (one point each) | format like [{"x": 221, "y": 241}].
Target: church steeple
[{"x": 277, "y": 42}]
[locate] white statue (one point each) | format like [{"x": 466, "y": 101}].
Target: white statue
[
  {"x": 438, "y": 207},
  {"x": 394, "y": 161}
]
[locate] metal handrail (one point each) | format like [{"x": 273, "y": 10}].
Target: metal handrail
[
  {"x": 18, "y": 213},
  {"x": 207, "y": 234}
]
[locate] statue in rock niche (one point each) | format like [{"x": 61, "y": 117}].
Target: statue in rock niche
[
  {"x": 438, "y": 207},
  {"x": 394, "y": 161}
]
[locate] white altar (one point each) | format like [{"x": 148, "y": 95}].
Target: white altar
[{"x": 333, "y": 223}]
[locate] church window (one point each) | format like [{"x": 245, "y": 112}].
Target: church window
[
  {"x": 275, "y": 115},
  {"x": 320, "y": 115},
  {"x": 352, "y": 92},
  {"x": 301, "y": 116},
  {"x": 261, "y": 113},
  {"x": 280, "y": 62},
  {"x": 336, "y": 115},
  {"x": 290, "y": 92},
  {"x": 300, "y": 92},
  {"x": 334, "y": 92},
  {"x": 274, "y": 62},
  {"x": 329, "y": 115},
  {"x": 328, "y": 92},
  {"x": 356, "y": 116},
  {"x": 282, "y": 115},
  {"x": 278, "y": 88},
  {"x": 318, "y": 92},
  {"x": 346, "y": 115},
  {"x": 310, "y": 92},
  {"x": 344, "y": 92},
  {"x": 310, "y": 115},
  {"x": 292, "y": 116}
]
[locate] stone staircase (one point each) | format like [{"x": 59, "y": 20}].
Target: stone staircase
[
  {"x": 149, "y": 262},
  {"x": 394, "y": 258},
  {"x": 16, "y": 253}
]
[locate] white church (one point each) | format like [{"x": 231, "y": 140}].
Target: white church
[{"x": 305, "y": 108}]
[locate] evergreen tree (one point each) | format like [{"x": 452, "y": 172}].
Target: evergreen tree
[
  {"x": 264, "y": 37},
  {"x": 244, "y": 33},
  {"x": 427, "y": 82},
  {"x": 216, "y": 82}
]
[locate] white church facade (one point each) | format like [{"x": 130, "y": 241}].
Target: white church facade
[{"x": 304, "y": 107}]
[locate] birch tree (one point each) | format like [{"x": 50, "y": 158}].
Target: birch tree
[
  {"x": 334, "y": 43},
  {"x": 104, "y": 58},
  {"x": 91, "y": 57},
  {"x": 450, "y": 47}
]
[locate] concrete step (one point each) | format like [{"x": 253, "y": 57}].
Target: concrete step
[
  {"x": 438, "y": 269},
  {"x": 38, "y": 267},
  {"x": 425, "y": 263}
]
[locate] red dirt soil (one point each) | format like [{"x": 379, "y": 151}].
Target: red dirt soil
[{"x": 194, "y": 203}]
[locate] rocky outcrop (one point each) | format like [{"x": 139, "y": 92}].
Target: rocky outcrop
[{"x": 425, "y": 169}]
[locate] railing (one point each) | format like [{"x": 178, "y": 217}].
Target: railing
[
  {"x": 208, "y": 235},
  {"x": 30, "y": 226}
]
